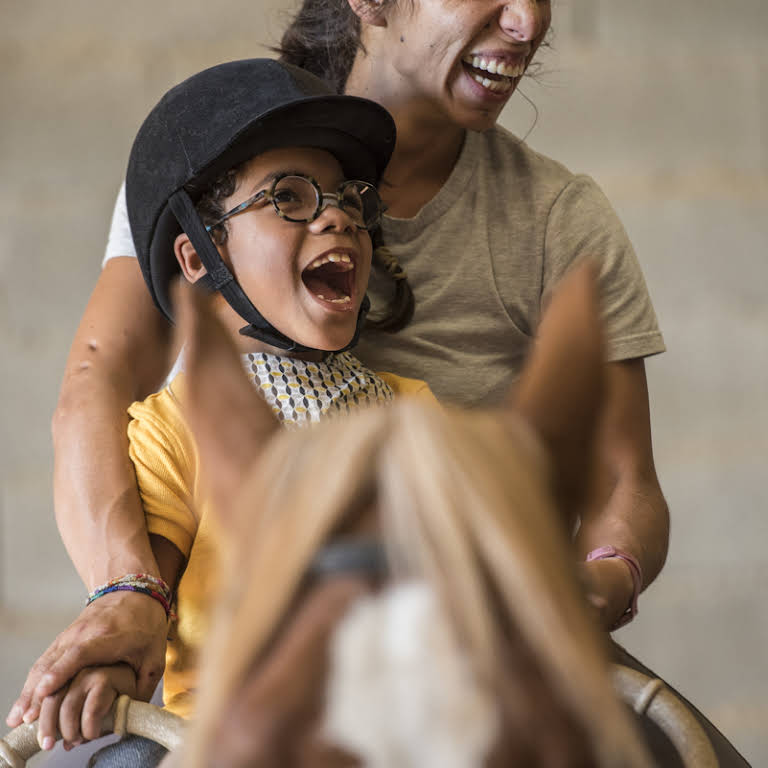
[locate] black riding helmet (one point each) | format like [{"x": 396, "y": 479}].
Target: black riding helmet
[{"x": 216, "y": 120}]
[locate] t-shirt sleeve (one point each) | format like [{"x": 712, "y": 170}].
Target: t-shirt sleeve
[
  {"x": 403, "y": 386},
  {"x": 583, "y": 224},
  {"x": 120, "y": 240},
  {"x": 164, "y": 457}
]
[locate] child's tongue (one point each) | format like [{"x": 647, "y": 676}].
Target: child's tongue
[
  {"x": 328, "y": 282},
  {"x": 322, "y": 289}
]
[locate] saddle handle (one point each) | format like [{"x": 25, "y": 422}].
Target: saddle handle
[{"x": 126, "y": 716}]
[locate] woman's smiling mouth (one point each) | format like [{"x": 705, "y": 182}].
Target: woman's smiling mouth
[{"x": 495, "y": 74}]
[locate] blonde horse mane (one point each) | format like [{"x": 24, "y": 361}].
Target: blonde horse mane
[{"x": 463, "y": 502}]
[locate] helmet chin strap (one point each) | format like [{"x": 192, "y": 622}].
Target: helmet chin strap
[{"x": 220, "y": 278}]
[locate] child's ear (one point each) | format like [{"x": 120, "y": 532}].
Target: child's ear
[
  {"x": 231, "y": 422},
  {"x": 191, "y": 266},
  {"x": 560, "y": 391},
  {"x": 369, "y": 12}
]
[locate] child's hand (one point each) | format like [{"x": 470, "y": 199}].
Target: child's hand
[
  {"x": 119, "y": 627},
  {"x": 76, "y": 710}
]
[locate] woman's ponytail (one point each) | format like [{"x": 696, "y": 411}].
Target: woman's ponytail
[
  {"x": 323, "y": 38},
  {"x": 400, "y": 310}
]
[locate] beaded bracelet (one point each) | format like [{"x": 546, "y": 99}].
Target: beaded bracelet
[
  {"x": 603, "y": 553},
  {"x": 155, "y": 588}
]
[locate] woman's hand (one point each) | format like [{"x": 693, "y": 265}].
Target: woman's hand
[
  {"x": 609, "y": 589},
  {"x": 121, "y": 627}
]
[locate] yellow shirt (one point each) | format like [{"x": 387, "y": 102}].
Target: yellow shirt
[{"x": 167, "y": 469}]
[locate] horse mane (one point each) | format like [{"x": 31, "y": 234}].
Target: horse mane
[{"x": 463, "y": 503}]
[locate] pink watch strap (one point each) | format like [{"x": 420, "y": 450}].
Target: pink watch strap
[{"x": 603, "y": 553}]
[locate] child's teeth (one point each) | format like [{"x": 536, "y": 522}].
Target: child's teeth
[{"x": 336, "y": 258}]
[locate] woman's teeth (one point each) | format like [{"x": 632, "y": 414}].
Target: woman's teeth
[
  {"x": 495, "y": 66},
  {"x": 504, "y": 71},
  {"x": 497, "y": 86}
]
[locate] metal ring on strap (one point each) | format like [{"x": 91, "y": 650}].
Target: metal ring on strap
[
  {"x": 651, "y": 698},
  {"x": 126, "y": 717}
]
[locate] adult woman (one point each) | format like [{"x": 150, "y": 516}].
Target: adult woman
[{"x": 480, "y": 268}]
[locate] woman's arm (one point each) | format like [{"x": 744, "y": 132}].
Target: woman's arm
[
  {"x": 120, "y": 353},
  {"x": 631, "y": 513}
]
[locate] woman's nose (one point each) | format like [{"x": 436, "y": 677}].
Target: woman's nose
[{"x": 525, "y": 20}]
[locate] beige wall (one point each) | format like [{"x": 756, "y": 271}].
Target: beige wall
[{"x": 665, "y": 103}]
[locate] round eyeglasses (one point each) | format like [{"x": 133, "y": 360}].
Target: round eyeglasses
[{"x": 300, "y": 199}]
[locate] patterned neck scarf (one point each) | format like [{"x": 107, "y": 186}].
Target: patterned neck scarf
[{"x": 300, "y": 392}]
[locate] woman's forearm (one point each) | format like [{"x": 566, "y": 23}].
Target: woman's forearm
[
  {"x": 635, "y": 519},
  {"x": 120, "y": 353},
  {"x": 629, "y": 511},
  {"x": 98, "y": 509}
]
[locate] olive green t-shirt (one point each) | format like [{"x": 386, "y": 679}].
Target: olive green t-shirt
[{"x": 482, "y": 258}]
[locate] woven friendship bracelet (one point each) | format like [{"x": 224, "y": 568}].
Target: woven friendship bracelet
[
  {"x": 603, "y": 553},
  {"x": 148, "y": 585}
]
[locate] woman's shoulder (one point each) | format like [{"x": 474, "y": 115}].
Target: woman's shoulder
[
  {"x": 501, "y": 150},
  {"x": 537, "y": 182}
]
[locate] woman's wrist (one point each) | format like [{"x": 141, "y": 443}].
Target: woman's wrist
[
  {"x": 112, "y": 567},
  {"x": 142, "y": 583}
]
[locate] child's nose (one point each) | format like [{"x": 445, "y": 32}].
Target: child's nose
[{"x": 332, "y": 217}]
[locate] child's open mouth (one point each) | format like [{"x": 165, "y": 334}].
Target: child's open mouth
[{"x": 331, "y": 278}]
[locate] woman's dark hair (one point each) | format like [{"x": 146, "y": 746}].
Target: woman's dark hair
[
  {"x": 323, "y": 38},
  {"x": 400, "y": 310}
]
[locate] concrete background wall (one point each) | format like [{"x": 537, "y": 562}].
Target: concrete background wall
[{"x": 665, "y": 104}]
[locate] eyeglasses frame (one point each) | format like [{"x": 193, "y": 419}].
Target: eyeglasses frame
[{"x": 323, "y": 200}]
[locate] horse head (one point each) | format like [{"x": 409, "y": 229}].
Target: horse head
[{"x": 400, "y": 584}]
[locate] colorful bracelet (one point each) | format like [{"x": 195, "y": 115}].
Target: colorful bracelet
[
  {"x": 155, "y": 588},
  {"x": 603, "y": 553}
]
